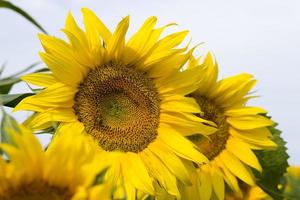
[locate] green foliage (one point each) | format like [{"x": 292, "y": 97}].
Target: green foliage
[
  {"x": 9, "y": 5},
  {"x": 292, "y": 187},
  {"x": 274, "y": 163},
  {"x": 7, "y": 83},
  {"x": 7, "y": 124},
  {"x": 11, "y": 100}
]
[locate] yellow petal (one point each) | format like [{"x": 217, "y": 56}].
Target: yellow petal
[
  {"x": 180, "y": 103},
  {"x": 40, "y": 79},
  {"x": 230, "y": 179},
  {"x": 169, "y": 64},
  {"x": 242, "y": 152},
  {"x": 179, "y": 145},
  {"x": 136, "y": 172},
  {"x": 73, "y": 28},
  {"x": 91, "y": 20},
  {"x": 236, "y": 167},
  {"x": 217, "y": 183},
  {"x": 138, "y": 42},
  {"x": 187, "y": 124},
  {"x": 73, "y": 127},
  {"x": 116, "y": 43},
  {"x": 244, "y": 111},
  {"x": 160, "y": 172},
  {"x": 231, "y": 90},
  {"x": 56, "y": 115},
  {"x": 68, "y": 73},
  {"x": 208, "y": 75},
  {"x": 187, "y": 79},
  {"x": 249, "y": 122},
  {"x": 57, "y": 95},
  {"x": 171, "y": 161},
  {"x": 205, "y": 189},
  {"x": 260, "y": 138}
]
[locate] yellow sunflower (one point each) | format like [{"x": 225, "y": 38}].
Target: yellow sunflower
[
  {"x": 241, "y": 129},
  {"x": 130, "y": 96},
  {"x": 64, "y": 171}
]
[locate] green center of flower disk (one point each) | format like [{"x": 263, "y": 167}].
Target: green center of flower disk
[
  {"x": 119, "y": 106},
  {"x": 38, "y": 190},
  {"x": 216, "y": 142}
]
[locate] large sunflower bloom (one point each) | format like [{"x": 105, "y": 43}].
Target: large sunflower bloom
[
  {"x": 64, "y": 171},
  {"x": 241, "y": 129},
  {"x": 130, "y": 96}
]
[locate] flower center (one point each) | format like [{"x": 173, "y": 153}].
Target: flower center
[
  {"x": 37, "y": 190},
  {"x": 119, "y": 106},
  {"x": 216, "y": 142}
]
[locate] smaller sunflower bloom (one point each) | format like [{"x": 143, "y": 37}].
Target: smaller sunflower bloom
[
  {"x": 241, "y": 129},
  {"x": 65, "y": 171}
]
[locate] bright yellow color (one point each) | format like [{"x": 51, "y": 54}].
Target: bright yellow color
[
  {"x": 161, "y": 59},
  {"x": 247, "y": 131},
  {"x": 249, "y": 193},
  {"x": 294, "y": 171},
  {"x": 67, "y": 164}
]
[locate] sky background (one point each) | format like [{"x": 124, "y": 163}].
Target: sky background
[{"x": 261, "y": 37}]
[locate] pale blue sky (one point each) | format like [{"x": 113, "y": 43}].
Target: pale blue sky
[{"x": 258, "y": 36}]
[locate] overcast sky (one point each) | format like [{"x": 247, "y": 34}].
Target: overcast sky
[{"x": 261, "y": 37}]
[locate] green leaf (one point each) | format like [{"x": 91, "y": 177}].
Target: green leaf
[
  {"x": 8, "y": 123},
  {"x": 7, "y": 83},
  {"x": 9, "y": 5},
  {"x": 274, "y": 163},
  {"x": 25, "y": 70},
  {"x": 11, "y": 100},
  {"x": 99, "y": 179}
]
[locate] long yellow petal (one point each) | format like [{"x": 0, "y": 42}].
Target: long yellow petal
[
  {"x": 56, "y": 115},
  {"x": 260, "y": 138},
  {"x": 180, "y": 104},
  {"x": 116, "y": 43},
  {"x": 181, "y": 146},
  {"x": 249, "y": 122},
  {"x": 244, "y": 111},
  {"x": 136, "y": 172},
  {"x": 98, "y": 25},
  {"x": 57, "y": 95},
  {"x": 68, "y": 73},
  {"x": 187, "y": 124},
  {"x": 137, "y": 43},
  {"x": 160, "y": 172},
  {"x": 40, "y": 79},
  {"x": 236, "y": 167},
  {"x": 217, "y": 183},
  {"x": 242, "y": 152},
  {"x": 171, "y": 161},
  {"x": 205, "y": 189}
]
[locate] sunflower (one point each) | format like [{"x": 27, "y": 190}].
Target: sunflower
[
  {"x": 129, "y": 96},
  {"x": 64, "y": 171},
  {"x": 240, "y": 129}
]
